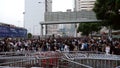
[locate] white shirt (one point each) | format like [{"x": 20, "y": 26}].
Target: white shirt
[
  {"x": 107, "y": 49},
  {"x": 82, "y": 47},
  {"x": 66, "y": 48}
]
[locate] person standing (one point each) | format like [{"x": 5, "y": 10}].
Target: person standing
[
  {"x": 66, "y": 48},
  {"x": 107, "y": 49}
]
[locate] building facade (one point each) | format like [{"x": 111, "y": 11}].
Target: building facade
[
  {"x": 34, "y": 14},
  {"x": 84, "y": 5}
]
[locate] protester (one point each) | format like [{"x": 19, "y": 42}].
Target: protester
[{"x": 61, "y": 44}]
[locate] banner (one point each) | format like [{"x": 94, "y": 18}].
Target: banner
[{"x": 7, "y": 31}]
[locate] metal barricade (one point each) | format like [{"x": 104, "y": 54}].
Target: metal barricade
[
  {"x": 48, "y": 59},
  {"x": 41, "y": 59},
  {"x": 18, "y": 53},
  {"x": 73, "y": 64},
  {"x": 93, "y": 59}
]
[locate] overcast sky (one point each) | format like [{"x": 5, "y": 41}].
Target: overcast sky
[
  {"x": 11, "y": 11},
  {"x": 62, "y": 5}
]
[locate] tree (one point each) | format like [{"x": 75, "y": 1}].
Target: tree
[
  {"x": 109, "y": 12},
  {"x": 87, "y": 28},
  {"x": 29, "y": 35}
]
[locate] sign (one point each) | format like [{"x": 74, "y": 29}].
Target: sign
[{"x": 7, "y": 31}]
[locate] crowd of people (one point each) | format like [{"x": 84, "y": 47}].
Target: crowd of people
[{"x": 62, "y": 44}]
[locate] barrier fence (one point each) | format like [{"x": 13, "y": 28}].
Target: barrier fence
[
  {"x": 19, "y": 53},
  {"x": 53, "y": 59},
  {"x": 95, "y": 60}
]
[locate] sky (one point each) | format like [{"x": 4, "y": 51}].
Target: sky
[{"x": 11, "y": 11}]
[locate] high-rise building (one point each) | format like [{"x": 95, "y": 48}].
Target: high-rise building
[
  {"x": 34, "y": 14},
  {"x": 84, "y": 5}
]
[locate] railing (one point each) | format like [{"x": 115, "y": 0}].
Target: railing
[
  {"x": 94, "y": 60},
  {"x": 73, "y": 64},
  {"x": 46, "y": 61},
  {"x": 73, "y": 59},
  {"x": 10, "y": 67},
  {"x": 22, "y": 53}
]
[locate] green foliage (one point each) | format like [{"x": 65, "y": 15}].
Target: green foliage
[
  {"x": 29, "y": 35},
  {"x": 108, "y": 11},
  {"x": 87, "y": 28}
]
